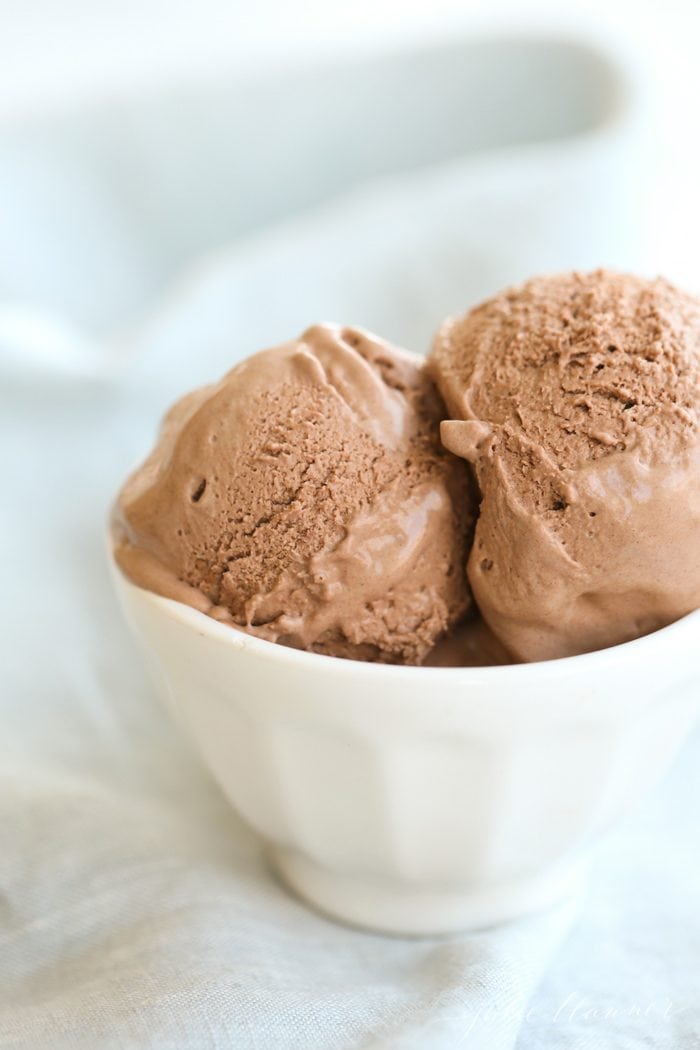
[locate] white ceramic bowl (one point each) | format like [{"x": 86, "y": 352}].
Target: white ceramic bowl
[{"x": 423, "y": 800}]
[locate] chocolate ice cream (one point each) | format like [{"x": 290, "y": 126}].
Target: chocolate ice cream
[
  {"x": 306, "y": 498},
  {"x": 576, "y": 399}
]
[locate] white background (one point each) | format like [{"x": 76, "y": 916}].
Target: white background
[{"x": 54, "y": 51}]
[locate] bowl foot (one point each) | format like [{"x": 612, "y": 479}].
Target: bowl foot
[{"x": 418, "y": 909}]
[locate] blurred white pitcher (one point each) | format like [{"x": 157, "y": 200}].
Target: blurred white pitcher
[{"x": 386, "y": 189}]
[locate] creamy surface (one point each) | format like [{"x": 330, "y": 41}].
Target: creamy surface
[
  {"x": 314, "y": 496},
  {"x": 470, "y": 643},
  {"x": 307, "y": 499},
  {"x": 576, "y": 400}
]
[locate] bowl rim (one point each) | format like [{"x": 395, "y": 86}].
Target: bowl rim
[{"x": 237, "y": 639}]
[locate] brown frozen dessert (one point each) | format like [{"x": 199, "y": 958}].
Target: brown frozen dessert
[
  {"x": 307, "y": 499},
  {"x": 576, "y": 399}
]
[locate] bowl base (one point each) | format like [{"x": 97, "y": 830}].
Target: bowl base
[{"x": 422, "y": 910}]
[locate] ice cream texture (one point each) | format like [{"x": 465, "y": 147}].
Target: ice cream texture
[
  {"x": 306, "y": 498},
  {"x": 318, "y": 495},
  {"x": 576, "y": 399}
]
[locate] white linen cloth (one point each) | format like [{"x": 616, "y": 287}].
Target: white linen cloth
[{"x": 135, "y": 908}]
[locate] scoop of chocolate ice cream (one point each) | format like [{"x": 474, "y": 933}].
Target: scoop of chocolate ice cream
[
  {"x": 576, "y": 398},
  {"x": 307, "y": 499}
]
